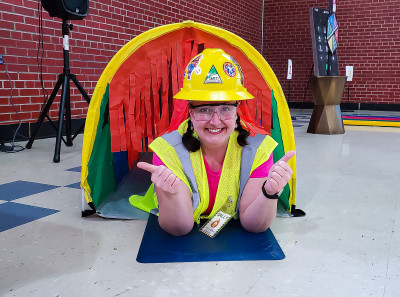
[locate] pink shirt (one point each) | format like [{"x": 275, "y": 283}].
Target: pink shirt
[{"x": 214, "y": 176}]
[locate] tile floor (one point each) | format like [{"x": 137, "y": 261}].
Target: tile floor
[{"x": 348, "y": 244}]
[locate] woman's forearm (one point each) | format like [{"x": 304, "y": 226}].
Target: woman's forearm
[
  {"x": 175, "y": 211},
  {"x": 259, "y": 215}
]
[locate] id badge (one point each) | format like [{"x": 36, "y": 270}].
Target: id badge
[{"x": 218, "y": 221}]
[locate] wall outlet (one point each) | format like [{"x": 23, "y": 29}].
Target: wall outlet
[{"x": 1, "y": 59}]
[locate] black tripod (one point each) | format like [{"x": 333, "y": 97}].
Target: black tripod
[{"x": 65, "y": 103}]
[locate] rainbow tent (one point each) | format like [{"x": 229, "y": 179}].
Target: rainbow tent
[{"x": 132, "y": 105}]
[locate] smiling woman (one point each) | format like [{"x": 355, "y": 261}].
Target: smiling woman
[
  {"x": 198, "y": 168},
  {"x": 133, "y": 105}
]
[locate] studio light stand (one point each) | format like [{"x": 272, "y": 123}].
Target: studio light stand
[{"x": 65, "y": 103}]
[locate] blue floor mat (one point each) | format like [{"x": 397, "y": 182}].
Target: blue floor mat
[
  {"x": 19, "y": 189},
  {"x": 233, "y": 243},
  {"x": 16, "y": 214}
]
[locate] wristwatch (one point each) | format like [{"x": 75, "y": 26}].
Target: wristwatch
[{"x": 275, "y": 196}]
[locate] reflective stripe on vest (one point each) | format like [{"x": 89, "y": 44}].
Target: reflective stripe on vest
[
  {"x": 248, "y": 153},
  {"x": 175, "y": 140}
]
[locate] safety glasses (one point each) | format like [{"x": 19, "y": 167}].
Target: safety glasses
[{"x": 206, "y": 112}]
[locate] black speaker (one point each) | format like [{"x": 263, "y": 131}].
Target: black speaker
[{"x": 67, "y": 9}]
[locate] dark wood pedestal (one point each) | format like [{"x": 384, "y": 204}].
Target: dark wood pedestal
[{"x": 326, "y": 117}]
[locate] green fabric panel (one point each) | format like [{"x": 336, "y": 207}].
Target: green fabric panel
[
  {"x": 279, "y": 151},
  {"x": 101, "y": 177}
]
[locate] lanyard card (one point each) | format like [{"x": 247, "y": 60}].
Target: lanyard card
[{"x": 218, "y": 221}]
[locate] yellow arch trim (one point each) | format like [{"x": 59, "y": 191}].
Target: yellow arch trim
[{"x": 120, "y": 57}]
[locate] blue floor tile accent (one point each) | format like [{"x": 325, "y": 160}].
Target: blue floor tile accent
[
  {"x": 74, "y": 186},
  {"x": 75, "y": 169},
  {"x": 16, "y": 214},
  {"x": 20, "y": 188}
]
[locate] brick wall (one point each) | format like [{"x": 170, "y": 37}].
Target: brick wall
[
  {"x": 93, "y": 42},
  {"x": 369, "y": 40}
]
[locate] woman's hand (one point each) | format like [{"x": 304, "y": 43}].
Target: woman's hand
[
  {"x": 174, "y": 201},
  {"x": 256, "y": 211},
  {"x": 279, "y": 174},
  {"x": 163, "y": 178}
]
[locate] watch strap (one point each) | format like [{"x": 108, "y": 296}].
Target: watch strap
[{"x": 275, "y": 196}]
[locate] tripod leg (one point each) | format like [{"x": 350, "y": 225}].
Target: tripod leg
[
  {"x": 45, "y": 111},
  {"x": 65, "y": 87},
  {"x": 68, "y": 115},
  {"x": 80, "y": 88}
]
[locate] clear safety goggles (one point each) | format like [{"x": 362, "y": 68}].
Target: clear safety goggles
[{"x": 205, "y": 112}]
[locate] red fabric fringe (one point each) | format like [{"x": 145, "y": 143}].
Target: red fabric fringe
[{"x": 142, "y": 107}]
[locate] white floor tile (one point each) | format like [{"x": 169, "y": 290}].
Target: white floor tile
[{"x": 348, "y": 244}]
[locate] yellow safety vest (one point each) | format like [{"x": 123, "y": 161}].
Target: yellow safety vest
[{"x": 238, "y": 165}]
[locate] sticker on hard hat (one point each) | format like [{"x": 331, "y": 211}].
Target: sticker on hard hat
[
  {"x": 213, "y": 77},
  {"x": 240, "y": 71},
  {"x": 229, "y": 69},
  {"x": 194, "y": 65}
]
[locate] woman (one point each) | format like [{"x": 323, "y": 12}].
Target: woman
[{"x": 210, "y": 159}]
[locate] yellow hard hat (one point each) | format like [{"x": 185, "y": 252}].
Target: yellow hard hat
[{"x": 213, "y": 75}]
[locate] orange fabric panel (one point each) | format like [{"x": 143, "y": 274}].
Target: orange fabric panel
[
  {"x": 180, "y": 65},
  {"x": 194, "y": 50},
  {"x": 179, "y": 105},
  {"x": 132, "y": 113},
  {"x": 142, "y": 113},
  {"x": 114, "y": 129},
  {"x": 251, "y": 104},
  {"x": 187, "y": 51},
  {"x": 266, "y": 109},
  {"x": 133, "y": 154},
  {"x": 164, "y": 94},
  {"x": 127, "y": 123},
  {"x": 121, "y": 124},
  {"x": 155, "y": 85},
  {"x": 180, "y": 110},
  {"x": 160, "y": 103},
  {"x": 259, "y": 109},
  {"x": 149, "y": 112},
  {"x": 114, "y": 103},
  {"x": 246, "y": 118},
  {"x": 174, "y": 70},
  {"x": 138, "y": 140},
  {"x": 180, "y": 114}
]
